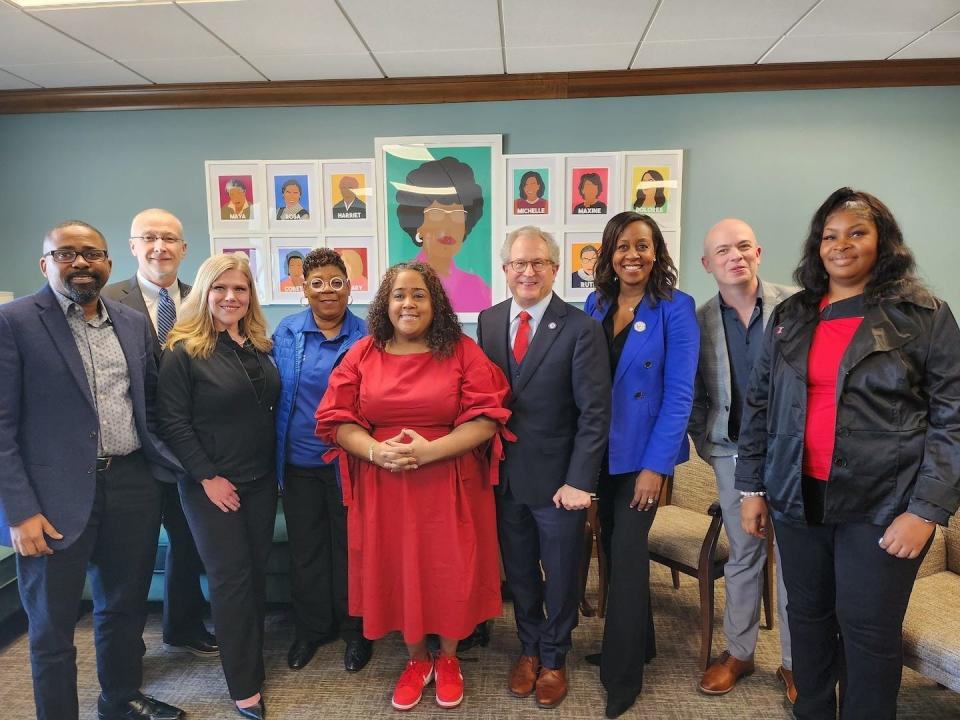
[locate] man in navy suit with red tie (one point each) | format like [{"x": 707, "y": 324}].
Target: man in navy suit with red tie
[{"x": 555, "y": 358}]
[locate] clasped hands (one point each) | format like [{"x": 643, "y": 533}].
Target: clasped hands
[{"x": 407, "y": 450}]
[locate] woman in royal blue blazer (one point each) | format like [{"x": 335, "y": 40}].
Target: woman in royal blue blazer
[{"x": 653, "y": 340}]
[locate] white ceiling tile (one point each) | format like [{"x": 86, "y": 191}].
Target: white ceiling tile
[
  {"x": 412, "y": 25},
  {"x": 933, "y": 45},
  {"x": 12, "y": 82},
  {"x": 549, "y": 23},
  {"x": 740, "y": 51},
  {"x": 487, "y": 61},
  {"x": 77, "y": 74},
  {"x": 317, "y": 66},
  {"x": 136, "y": 32},
  {"x": 952, "y": 25},
  {"x": 279, "y": 27},
  {"x": 569, "y": 58},
  {"x": 24, "y": 40},
  {"x": 190, "y": 70},
  {"x": 825, "y": 49},
  {"x": 863, "y": 17},
  {"x": 709, "y": 19}
]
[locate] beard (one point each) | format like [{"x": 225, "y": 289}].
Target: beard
[{"x": 83, "y": 294}]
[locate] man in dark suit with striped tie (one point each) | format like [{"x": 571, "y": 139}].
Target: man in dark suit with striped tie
[{"x": 156, "y": 240}]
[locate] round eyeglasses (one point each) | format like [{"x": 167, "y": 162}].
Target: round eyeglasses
[{"x": 336, "y": 284}]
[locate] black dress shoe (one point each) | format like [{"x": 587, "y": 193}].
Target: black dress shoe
[
  {"x": 357, "y": 654},
  {"x": 141, "y": 707},
  {"x": 618, "y": 704},
  {"x": 204, "y": 645},
  {"x": 255, "y": 712},
  {"x": 480, "y": 636}
]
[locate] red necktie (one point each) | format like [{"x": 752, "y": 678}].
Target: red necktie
[{"x": 522, "y": 341}]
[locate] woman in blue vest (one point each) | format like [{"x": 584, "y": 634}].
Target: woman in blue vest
[
  {"x": 306, "y": 348},
  {"x": 654, "y": 343}
]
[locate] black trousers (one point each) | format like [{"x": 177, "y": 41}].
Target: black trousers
[
  {"x": 546, "y": 607},
  {"x": 234, "y": 547},
  {"x": 117, "y": 548},
  {"x": 846, "y": 598},
  {"x": 628, "y": 636},
  {"x": 317, "y": 531},
  {"x": 183, "y": 602}
]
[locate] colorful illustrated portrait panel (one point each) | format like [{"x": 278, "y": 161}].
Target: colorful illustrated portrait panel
[
  {"x": 593, "y": 189},
  {"x": 294, "y": 203},
  {"x": 253, "y": 249},
  {"x": 286, "y": 263},
  {"x": 533, "y": 190},
  {"x": 360, "y": 258},
  {"x": 581, "y": 250},
  {"x": 235, "y": 197},
  {"x": 653, "y": 185},
  {"x": 349, "y": 195},
  {"x": 439, "y": 207}
]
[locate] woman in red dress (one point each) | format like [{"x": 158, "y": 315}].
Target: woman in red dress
[{"x": 413, "y": 409}]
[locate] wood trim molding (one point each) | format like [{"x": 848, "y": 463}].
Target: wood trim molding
[{"x": 480, "y": 88}]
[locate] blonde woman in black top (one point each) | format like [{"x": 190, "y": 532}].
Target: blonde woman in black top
[{"x": 218, "y": 389}]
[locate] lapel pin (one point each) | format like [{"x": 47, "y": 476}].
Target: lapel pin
[
  {"x": 639, "y": 326},
  {"x": 552, "y": 326}
]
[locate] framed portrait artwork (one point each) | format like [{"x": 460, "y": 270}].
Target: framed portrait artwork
[
  {"x": 593, "y": 188},
  {"x": 286, "y": 268},
  {"x": 439, "y": 204},
  {"x": 360, "y": 259},
  {"x": 235, "y": 197},
  {"x": 653, "y": 185},
  {"x": 580, "y": 253},
  {"x": 349, "y": 197},
  {"x": 254, "y": 249},
  {"x": 533, "y": 190},
  {"x": 293, "y": 196},
  {"x": 672, "y": 240}
]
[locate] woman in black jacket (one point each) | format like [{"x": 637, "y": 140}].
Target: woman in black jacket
[
  {"x": 851, "y": 434},
  {"x": 215, "y": 402}
]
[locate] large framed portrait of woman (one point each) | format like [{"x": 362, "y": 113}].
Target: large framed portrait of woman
[
  {"x": 440, "y": 204},
  {"x": 653, "y": 185}
]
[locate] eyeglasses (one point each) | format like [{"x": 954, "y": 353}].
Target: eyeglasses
[
  {"x": 439, "y": 214},
  {"x": 150, "y": 239},
  {"x": 91, "y": 255},
  {"x": 336, "y": 284},
  {"x": 539, "y": 266}
]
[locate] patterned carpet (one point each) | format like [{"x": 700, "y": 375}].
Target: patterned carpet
[{"x": 324, "y": 690}]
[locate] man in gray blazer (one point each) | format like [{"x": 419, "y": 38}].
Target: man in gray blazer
[
  {"x": 555, "y": 357},
  {"x": 156, "y": 240},
  {"x": 731, "y": 333}
]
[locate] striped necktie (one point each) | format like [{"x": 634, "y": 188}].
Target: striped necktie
[{"x": 166, "y": 315}]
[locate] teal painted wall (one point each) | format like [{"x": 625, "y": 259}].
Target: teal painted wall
[{"x": 770, "y": 158}]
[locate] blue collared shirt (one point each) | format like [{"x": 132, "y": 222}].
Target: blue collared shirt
[{"x": 304, "y": 448}]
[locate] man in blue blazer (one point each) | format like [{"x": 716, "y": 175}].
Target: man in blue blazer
[
  {"x": 77, "y": 466},
  {"x": 555, "y": 358},
  {"x": 156, "y": 240}
]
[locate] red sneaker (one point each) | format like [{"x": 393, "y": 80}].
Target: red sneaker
[
  {"x": 414, "y": 678},
  {"x": 449, "y": 681}
]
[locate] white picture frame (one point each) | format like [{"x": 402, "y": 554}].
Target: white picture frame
[
  {"x": 226, "y": 177},
  {"x": 597, "y": 175},
  {"x": 342, "y": 215},
  {"x": 359, "y": 253},
  {"x": 659, "y": 174},
  {"x": 284, "y": 251},
  {"x": 293, "y": 181}
]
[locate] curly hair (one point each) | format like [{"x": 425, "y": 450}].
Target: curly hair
[
  {"x": 433, "y": 176},
  {"x": 663, "y": 276},
  {"x": 895, "y": 271},
  {"x": 320, "y": 257},
  {"x": 444, "y": 331}
]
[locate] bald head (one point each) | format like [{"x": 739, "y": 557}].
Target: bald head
[
  {"x": 731, "y": 253},
  {"x": 156, "y": 241}
]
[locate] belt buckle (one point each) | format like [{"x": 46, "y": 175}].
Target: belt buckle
[{"x": 104, "y": 463}]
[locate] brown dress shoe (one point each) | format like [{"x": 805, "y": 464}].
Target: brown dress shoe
[
  {"x": 523, "y": 675},
  {"x": 551, "y": 687},
  {"x": 723, "y": 674},
  {"x": 786, "y": 677}
]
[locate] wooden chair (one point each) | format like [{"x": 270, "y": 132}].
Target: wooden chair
[{"x": 687, "y": 536}]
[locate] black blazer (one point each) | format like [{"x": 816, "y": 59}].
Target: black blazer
[
  {"x": 127, "y": 292},
  {"x": 560, "y": 401},
  {"x": 209, "y": 414}
]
